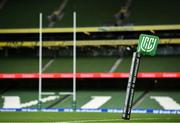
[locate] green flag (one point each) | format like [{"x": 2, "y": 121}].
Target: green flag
[{"x": 147, "y": 44}]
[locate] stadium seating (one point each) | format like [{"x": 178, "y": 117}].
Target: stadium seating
[
  {"x": 104, "y": 56},
  {"x": 101, "y": 64},
  {"x": 12, "y": 16}
]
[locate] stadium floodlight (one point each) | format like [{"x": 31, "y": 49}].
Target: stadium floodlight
[{"x": 147, "y": 45}]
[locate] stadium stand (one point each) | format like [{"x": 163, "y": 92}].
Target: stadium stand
[
  {"x": 12, "y": 15},
  {"x": 104, "y": 54},
  {"x": 101, "y": 64}
]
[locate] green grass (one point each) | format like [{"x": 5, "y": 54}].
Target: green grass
[{"x": 72, "y": 117}]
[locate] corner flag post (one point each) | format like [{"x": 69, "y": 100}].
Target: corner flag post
[
  {"x": 147, "y": 45},
  {"x": 131, "y": 84}
]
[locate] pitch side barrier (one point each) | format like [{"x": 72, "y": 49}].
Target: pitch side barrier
[
  {"x": 105, "y": 110},
  {"x": 89, "y": 75}
]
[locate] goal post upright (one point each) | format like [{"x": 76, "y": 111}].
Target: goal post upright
[
  {"x": 74, "y": 61},
  {"x": 40, "y": 61}
]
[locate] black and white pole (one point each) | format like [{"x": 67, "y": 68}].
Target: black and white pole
[
  {"x": 131, "y": 84},
  {"x": 147, "y": 45}
]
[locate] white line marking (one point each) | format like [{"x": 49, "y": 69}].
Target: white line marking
[
  {"x": 65, "y": 93},
  {"x": 35, "y": 102},
  {"x": 166, "y": 102},
  {"x": 11, "y": 102},
  {"x": 96, "y": 102},
  {"x": 48, "y": 93},
  {"x": 47, "y": 65},
  {"x": 116, "y": 64},
  {"x": 15, "y": 102}
]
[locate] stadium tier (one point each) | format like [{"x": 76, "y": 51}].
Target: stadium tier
[
  {"x": 59, "y": 101},
  {"x": 48, "y": 7},
  {"x": 150, "y": 100},
  {"x": 12, "y": 15},
  {"x": 87, "y": 68},
  {"x": 100, "y": 64},
  {"x": 115, "y": 99},
  {"x": 87, "y": 36}
]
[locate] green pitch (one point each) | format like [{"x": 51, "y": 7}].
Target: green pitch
[{"x": 71, "y": 117}]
